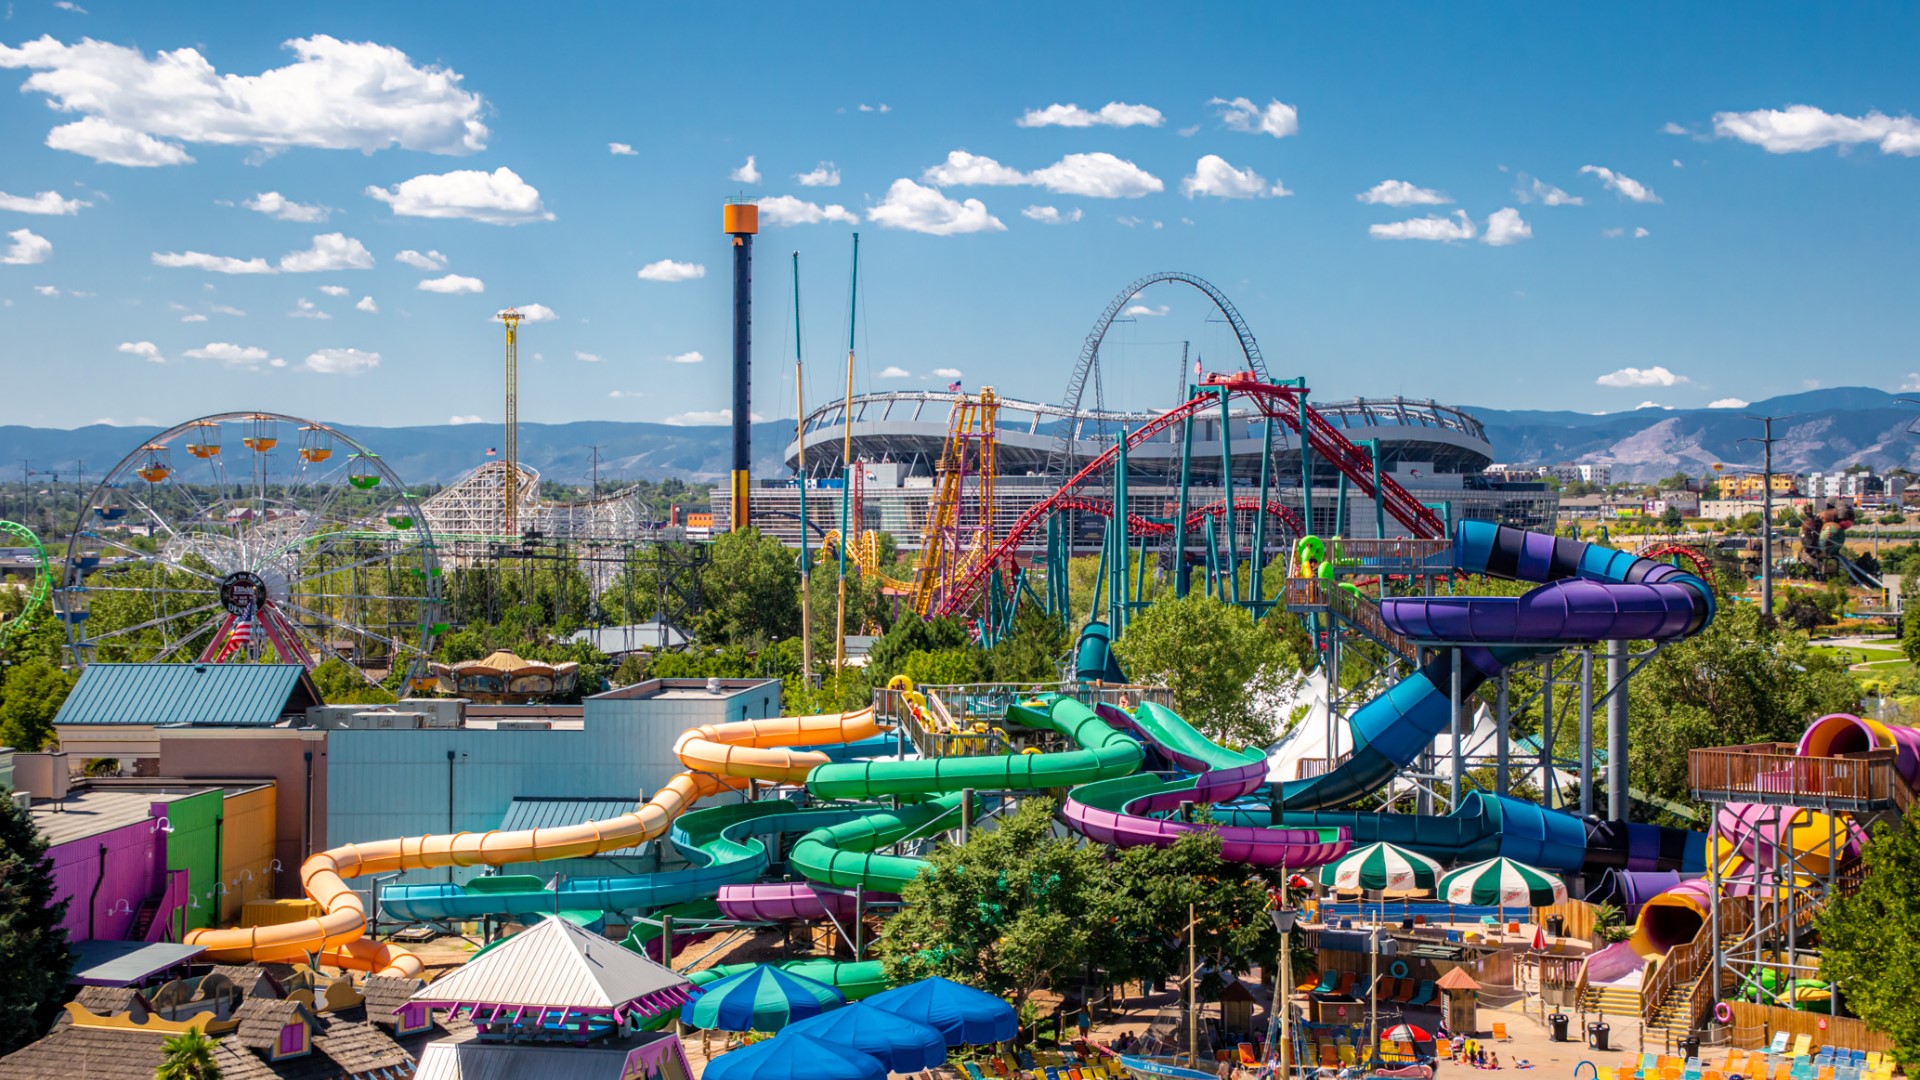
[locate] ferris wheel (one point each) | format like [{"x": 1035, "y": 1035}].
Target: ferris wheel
[{"x": 254, "y": 537}]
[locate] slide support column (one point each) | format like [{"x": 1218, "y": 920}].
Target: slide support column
[
  {"x": 1586, "y": 732},
  {"x": 1503, "y": 716},
  {"x": 1453, "y": 725},
  {"x": 1617, "y": 730}
]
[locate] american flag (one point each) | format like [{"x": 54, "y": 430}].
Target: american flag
[
  {"x": 242, "y": 627},
  {"x": 1196, "y": 367},
  {"x": 492, "y": 451},
  {"x": 953, "y": 387}
]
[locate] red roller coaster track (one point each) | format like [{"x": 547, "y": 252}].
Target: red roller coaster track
[
  {"x": 1282, "y": 403},
  {"x": 1702, "y": 568}
]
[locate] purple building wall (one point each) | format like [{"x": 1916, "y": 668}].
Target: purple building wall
[{"x": 133, "y": 869}]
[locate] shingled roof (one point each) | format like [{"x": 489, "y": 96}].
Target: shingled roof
[{"x": 104, "y": 1054}]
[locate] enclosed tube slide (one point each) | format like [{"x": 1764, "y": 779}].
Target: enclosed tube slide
[{"x": 756, "y": 747}]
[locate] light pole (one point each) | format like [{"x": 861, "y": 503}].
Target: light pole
[
  {"x": 1766, "y": 511},
  {"x": 1281, "y": 1027}
]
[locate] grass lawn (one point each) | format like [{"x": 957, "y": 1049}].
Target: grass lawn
[{"x": 1854, "y": 655}]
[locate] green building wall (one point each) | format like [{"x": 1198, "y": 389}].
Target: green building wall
[{"x": 194, "y": 846}]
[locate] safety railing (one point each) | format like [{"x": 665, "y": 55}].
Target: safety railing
[
  {"x": 1774, "y": 773},
  {"x": 1404, "y": 555},
  {"x": 1317, "y": 594},
  {"x": 968, "y": 719}
]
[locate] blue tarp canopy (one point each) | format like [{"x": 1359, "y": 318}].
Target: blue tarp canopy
[
  {"x": 902, "y": 1045},
  {"x": 795, "y": 1057},
  {"x": 762, "y": 998},
  {"x": 965, "y": 1016}
]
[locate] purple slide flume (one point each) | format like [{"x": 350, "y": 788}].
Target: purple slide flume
[{"x": 791, "y": 901}]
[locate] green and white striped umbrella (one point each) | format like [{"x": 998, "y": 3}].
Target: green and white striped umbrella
[
  {"x": 1502, "y": 883},
  {"x": 1381, "y": 867}
]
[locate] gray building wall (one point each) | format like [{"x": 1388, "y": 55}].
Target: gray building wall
[{"x": 388, "y": 783}]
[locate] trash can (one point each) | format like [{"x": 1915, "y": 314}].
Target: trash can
[
  {"x": 1597, "y": 1035},
  {"x": 1690, "y": 1047},
  {"x": 1559, "y": 1022},
  {"x": 1556, "y": 925}
]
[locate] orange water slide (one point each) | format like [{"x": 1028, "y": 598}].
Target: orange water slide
[{"x": 718, "y": 757}]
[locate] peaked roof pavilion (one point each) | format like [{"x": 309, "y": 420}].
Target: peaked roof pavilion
[{"x": 556, "y": 971}]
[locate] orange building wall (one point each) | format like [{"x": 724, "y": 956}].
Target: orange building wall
[{"x": 248, "y": 842}]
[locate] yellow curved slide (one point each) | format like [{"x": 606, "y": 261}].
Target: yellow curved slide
[{"x": 718, "y": 757}]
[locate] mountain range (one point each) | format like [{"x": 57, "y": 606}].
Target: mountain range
[{"x": 1817, "y": 430}]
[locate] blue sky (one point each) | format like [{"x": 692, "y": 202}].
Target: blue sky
[{"x": 1745, "y": 224}]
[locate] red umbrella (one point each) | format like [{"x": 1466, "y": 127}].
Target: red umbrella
[
  {"x": 1299, "y": 881},
  {"x": 1408, "y": 1033},
  {"x": 1539, "y": 939}
]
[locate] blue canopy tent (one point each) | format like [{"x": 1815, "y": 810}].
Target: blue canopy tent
[
  {"x": 965, "y": 1016},
  {"x": 902, "y": 1045},
  {"x": 795, "y": 1057},
  {"x": 762, "y": 998}
]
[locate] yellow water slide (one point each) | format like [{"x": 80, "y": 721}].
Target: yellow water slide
[{"x": 718, "y": 757}]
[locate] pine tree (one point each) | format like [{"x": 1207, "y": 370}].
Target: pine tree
[{"x": 31, "y": 937}]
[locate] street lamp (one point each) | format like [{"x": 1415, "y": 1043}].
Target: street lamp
[{"x": 1280, "y": 1028}]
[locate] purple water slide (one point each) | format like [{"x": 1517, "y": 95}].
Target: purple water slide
[
  {"x": 1111, "y": 811},
  {"x": 1845, "y": 733},
  {"x": 790, "y": 901},
  {"x": 1628, "y": 890},
  {"x": 1563, "y": 611}
]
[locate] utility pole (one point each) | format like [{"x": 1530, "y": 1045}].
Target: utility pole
[
  {"x": 800, "y": 440},
  {"x": 1766, "y": 442},
  {"x": 595, "y": 449},
  {"x": 849, "y": 530}
]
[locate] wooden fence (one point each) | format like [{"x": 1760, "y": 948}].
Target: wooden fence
[
  {"x": 1773, "y": 772},
  {"x": 1754, "y": 1026},
  {"x": 1577, "y": 917}
]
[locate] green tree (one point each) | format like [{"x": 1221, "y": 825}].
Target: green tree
[
  {"x": 888, "y": 657},
  {"x": 1216, "y": 659},
  {"x": 1910, "y": 629},
  {"x": 1870, "y": 940},
  {"x": 1006, "y": 911},
  {"x": 1672, "y": 520},
  {"x": 1032, "y": 649},
  {"x": 31, "y": 937},
  {"x": 188, "y": 1056},
  {"x": 1140, "y": 913},
  {"x": 1740, "y": 681},
  {"x": 31, "y": 693},
  {"x": 752, "y": 588}
]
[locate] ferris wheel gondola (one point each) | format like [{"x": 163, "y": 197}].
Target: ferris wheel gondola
[{"x": 274, "y": 556}]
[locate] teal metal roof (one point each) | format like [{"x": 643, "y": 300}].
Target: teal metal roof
[
  {"x": 216, "y": 695},
  {"x": 533, "y": 813}
]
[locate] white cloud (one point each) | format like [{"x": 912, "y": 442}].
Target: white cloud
[
  {"x": 367, "y": 305},
  {"x": 1538, "y": 190},
  {"x": 1051, "y": 215},
  {"x": 47, "y": 202},
  {"x": 668, "y": 270},
  {"x": 195, "y": 317},
  {"x": 947, "y": 372},
  {"x": 112, "y": 144},
  {"x": 1632, "y": 376},
  {"x": 1402, "y": 193},
  {"x": 788, "y": 210},
  {"x": 238, "y": 356},
  {"x": 145, "y": 350},
  {"x": 27, "y": 248},
  {"x": 1097, "y": 175},
  {"x": 529, "y": 313},
  {"x": 892, "y": 372},
  {"x": 1640, "y": 233},
  {"x": 47, "y": 290},
  {"x": 1112, "y": 114},
  {"x": 65, "y": 5},
  {"x": 499, "y": 197},
  {"x": 922, "y": 209},
  {"x": 431, "y": 260},
  {"x": 1625, "y": 186},
  {"x": 587, "y": 357},
  {"x": 1672, "y": 128},
  {"x": 453, "y": 283},
  {"x": 1727, "y": 403},
  {"x": 692, "y": 356},
  {"x": 745, "y": 174},
  {"x": 275, "y": 205},
  {"x": 1139, "y": 310},
  {"x": 1278, "y": 119},
  {"x": 1614, "y": 233},
  {"x": 330, "y": 251},
  {"x": 457, "y": 420},
  {"x": 1800, "y": 128},
  {"x": 341, "y": 361},
  {"x": 1431, "y": 227},
  {"x": 881, "y": 108},
  {"x": 304, "y": 308},
  {"x": 823, "y": 175},
  {"x": 620, "y": 149},
  {"x": 1653, "y": 405},
  {"x": 625, "y": 394},
  {"x": 1213, "y": 176},
  {"x": 334, "y": 290},
  {"x": 1677, "y": 165},
  {"x": 1506, "y": 226},
  {"x": 962, "y": 169},
  {"x": 1129, "y": 220},
  {"x": 338, "y": 95},
  {"x": 225, "y": 309}
]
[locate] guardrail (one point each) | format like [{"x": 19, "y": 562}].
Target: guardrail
[
  {"x": 967, "y": 719},
  {"x": 1775, "y": 774},
  {"x": 1405, "y": 555},
  {"x": 1361, "y": 613}
]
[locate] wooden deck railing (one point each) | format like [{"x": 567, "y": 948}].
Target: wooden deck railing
[
  {"x": 1775, "y": 773},
  {"x": 1363, "y": 613},
  {"x": 1689, "y": 962}
]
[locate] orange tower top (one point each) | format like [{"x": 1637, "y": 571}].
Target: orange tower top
[{"x": 741, "y": 218}]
